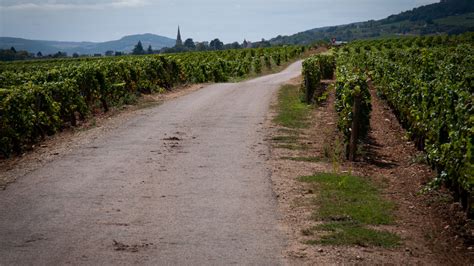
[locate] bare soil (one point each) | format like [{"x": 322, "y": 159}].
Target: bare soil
[{"x": 434, "y": 230}]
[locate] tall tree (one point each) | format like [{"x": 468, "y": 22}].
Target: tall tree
[
  {"x": 138, "y": 49},
  {"x": 235, "y": 45},
  {"x": 189, "y": 43},
  {"x": 216, "y": 44},
  {"x": 149, "y": 50}
]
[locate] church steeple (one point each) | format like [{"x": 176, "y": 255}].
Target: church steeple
[{"x": 179, "y": 42}]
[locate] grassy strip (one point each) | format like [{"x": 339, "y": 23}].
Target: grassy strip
[
  {"x": 348, "y": 205},
  {"x": 292, "y": 113},
  {"x": 344, "y": 234}
]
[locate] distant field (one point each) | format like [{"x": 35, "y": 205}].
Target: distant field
[{"x": 466, "y": 20}]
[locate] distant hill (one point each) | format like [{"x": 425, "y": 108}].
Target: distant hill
[
  {"x": 125, "y": 44},
  {"x": 448, "y": 16}
]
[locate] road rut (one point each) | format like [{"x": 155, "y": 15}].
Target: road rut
[{"x": 185, "y": 182}]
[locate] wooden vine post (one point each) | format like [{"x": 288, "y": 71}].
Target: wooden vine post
[
  {"x": 309, "y": 88},
  {"x": 355, "y": 126}
]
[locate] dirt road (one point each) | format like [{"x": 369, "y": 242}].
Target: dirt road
[{"x": 182, "y": 183}]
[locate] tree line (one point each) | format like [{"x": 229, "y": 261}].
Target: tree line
[
  {"x": 189, "y": 45},
  {"x": 12, "y": 55}
]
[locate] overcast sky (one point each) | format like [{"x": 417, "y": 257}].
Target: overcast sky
[{"x": 229, "y": 20}]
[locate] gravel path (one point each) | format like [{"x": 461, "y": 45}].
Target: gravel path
[{"x": 185, "y": 182}]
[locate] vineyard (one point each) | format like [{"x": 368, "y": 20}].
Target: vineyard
[
  {"x": 39, "y": 98},
  {"x": 428, "y": 82}
]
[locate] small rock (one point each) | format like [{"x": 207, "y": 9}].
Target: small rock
[
  {"x": 407, "y": 249},
  {"x": 359, "y": 258},
  {"x": 469, "y": 248},
  {"x": 320, "y": 250},
  {"x": 446, "y": 227}
]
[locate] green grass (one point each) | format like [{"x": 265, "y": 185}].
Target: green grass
[
  {"x": 348, "y": 234},
  {"x": 292, "y": 113},
  {"x": 350, "y": 196},
  {"x": 303, "y": 159},
  {"x": 348, "y": 204}
]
